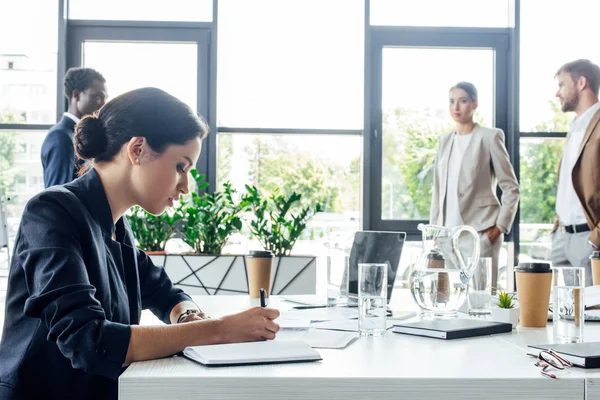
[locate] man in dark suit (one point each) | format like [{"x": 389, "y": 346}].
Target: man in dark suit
[{"x": 86, "y": 91}]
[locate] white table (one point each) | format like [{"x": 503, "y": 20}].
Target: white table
[
  {"x": 392, "y": 367},
  {"x": 521, "y": 337}
]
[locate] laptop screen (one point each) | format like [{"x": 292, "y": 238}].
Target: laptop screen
[{"x": 375, "y": 247}]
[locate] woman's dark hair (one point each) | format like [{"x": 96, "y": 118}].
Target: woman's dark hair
[
  {"x": 467, "y": 87},
  {"x": 148, "y": 112}
]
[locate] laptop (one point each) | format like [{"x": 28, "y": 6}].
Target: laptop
[{"x": 374, "y": 247}]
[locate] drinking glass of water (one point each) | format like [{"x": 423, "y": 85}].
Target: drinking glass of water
[
  {"x": 480, "y": 288},
  {"x": 568, "y": 284},
  {"x": 372, "y": 299}
]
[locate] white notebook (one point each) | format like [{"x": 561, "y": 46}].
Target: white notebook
[{"x": 266, "y": 352}]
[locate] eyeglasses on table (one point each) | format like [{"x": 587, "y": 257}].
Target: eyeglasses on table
[{"x": 549, "y": 359}]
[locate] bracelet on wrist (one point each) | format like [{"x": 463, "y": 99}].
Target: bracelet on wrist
[{"x": 186, "y": 313}]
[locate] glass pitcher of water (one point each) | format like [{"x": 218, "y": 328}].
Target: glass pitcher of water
[{"x": 441, "y": 275}]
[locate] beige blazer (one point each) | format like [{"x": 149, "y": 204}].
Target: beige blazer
[{"x": 485, "y": 165}]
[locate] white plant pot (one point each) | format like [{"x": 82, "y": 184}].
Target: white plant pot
[{"x": 506, "y": 315}]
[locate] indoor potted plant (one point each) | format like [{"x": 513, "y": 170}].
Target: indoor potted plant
[
  {"x": 152, "y": 231},
  {"x": 209, "y": 219},
  {"x": 207, "y": 222},
  {"x": 277, "y": 225},
  {"x": 506, "y": 310},
  {"x": 274, "y": 224}
]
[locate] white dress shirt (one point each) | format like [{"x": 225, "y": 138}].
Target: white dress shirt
[
  {"x": 459, "y": 146},
  {"x": 71, "y": 116},
  {"x": 568, "y": 206}
]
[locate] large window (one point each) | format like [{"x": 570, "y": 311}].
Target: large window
[
  {"x": 21, "y": 175},
  {"x": 28, "y": 59},
  {"x": 546, "y": 44},
  {"x": 539, "y": 180},
  {"x": 291, "y": 64},
  {"x": 310, "y": 165},
  {"x": 143, "y": 64},
  {"x": 290, "y": 109},
  {"x": 286, "y": 93}
]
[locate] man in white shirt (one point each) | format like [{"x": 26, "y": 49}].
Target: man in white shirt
[
  {"x": 577, "y": 232},
  {"x": 85, "y": 89}
]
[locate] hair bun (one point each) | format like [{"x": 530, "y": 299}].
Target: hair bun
[{"x": 90, "y": 138}]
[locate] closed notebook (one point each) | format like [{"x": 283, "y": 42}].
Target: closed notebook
[
  {"x": 586, "y": 355},
  {"x": 452, "y": 328},
  {"x": 266, "y": 352}
]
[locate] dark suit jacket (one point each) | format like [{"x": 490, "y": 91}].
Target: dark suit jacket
[
  {"x": 58, "y": 154},
  {"x": 586, "y": 178},
  {"x": 73, "y": 293}
]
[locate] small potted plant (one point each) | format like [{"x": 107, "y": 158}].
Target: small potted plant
[
  {"x": 152, "y": 231},
  {"x": 506, "y": 311}
]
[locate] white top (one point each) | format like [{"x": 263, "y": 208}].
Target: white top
[
  {"x": 71, "y": 116},
  {"x": 568, "y": 206},
  {"x": 452, "y": 212}
]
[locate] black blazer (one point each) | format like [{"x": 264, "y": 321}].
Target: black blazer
[
  {"x": 58, "y": 154},
  {"x": 73, "y": 293}
]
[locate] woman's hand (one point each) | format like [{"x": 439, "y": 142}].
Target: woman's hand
[
  {"x": 493, "y": 234},
  {"x": 250, "y": 325}
]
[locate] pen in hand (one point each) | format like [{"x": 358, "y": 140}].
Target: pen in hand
[{"x": 263, "y": 294}]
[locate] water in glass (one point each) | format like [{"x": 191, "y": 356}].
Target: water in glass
[
  {"x": 372, "y": 315},
  {"x": 568, "y": 316},
  {"x": 568, "y": 304}
]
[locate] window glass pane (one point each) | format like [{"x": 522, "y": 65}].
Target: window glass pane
[
  {"x": 21, "y": 173},
  {"x": 310, "y": 165},
  {"x": 546, "y": 44},
  {"x": 142, "y": 10},
  {"x": 291, "y": 64},
  {"x": 139, "y": 66},
  {"x": 414, "y": 118},
  {"x": 28, "y": 57},
  {"x": 465, "y": 13},
  {"x": 539, "y": 182}
]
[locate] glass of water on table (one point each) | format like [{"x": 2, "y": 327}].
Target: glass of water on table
[
  {"x": 568, "y": 284},
  {"x": 372, "y": 299}
]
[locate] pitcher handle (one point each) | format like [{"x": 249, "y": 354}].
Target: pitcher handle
[{"x": 466, "y": 271}]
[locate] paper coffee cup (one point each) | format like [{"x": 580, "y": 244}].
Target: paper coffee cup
[
  {"x": 534, "y": 280},
  {"x": 595, "y": 257},
  {"x": 258, "y": 267}
]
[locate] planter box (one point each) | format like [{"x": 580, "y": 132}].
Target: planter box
[{"x": 214, "y": 275}]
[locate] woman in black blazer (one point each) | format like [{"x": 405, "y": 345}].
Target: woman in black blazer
[{"x": 77, "y": 284}]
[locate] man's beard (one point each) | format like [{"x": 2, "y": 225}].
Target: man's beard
[{"x": 570, "y": 103}]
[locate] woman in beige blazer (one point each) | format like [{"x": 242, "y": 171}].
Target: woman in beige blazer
[{"x": 470, "y": 163}]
